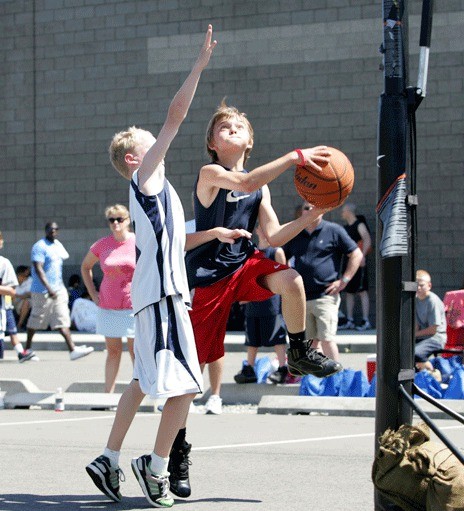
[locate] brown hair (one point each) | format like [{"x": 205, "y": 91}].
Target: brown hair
[{"x": 226, "y": 112}]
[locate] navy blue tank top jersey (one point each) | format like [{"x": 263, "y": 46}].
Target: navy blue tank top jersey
[
  {"x": 213, "y": 261},
  {"x": 266, "y": 308}
]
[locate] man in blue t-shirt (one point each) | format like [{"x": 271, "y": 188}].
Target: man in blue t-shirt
[
  {"x": 49, "y": 296},
  {"x": 318, "y": 253}
]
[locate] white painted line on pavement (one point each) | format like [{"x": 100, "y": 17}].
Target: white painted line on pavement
[
  {"x": 297, "y": 440},
  {"x": 48, "y": 421},
  {"x": 216, "y": 447}
]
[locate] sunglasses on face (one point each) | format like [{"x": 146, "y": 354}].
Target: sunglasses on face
[{"x": 119, "y": 219}]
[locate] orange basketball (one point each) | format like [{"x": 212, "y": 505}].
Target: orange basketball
[{"x": 328, "y": 188}]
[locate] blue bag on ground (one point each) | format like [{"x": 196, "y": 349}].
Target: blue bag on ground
[
  {"x": 455, "y": 388},
  {"x": 310, "y": 386},
  {"x": 353, "y": 383},
  {"x": 456, "y": 361},
  {"x": 263, "y": 367},
  {"x": 330, "y": 386},
  {"x": 444, "y": 366},
  {"x": 372, "y": 387},
  {"x": 425, "y": 381}
]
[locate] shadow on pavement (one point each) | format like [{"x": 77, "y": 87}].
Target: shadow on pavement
[{"x": 23, "y": 501}]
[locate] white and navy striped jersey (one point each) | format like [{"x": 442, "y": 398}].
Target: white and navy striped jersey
[{"x": 159, "y": 226}]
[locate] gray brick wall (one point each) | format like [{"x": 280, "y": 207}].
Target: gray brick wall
[{"x": 76, "y": 71}]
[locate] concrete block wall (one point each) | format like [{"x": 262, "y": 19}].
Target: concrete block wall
[{"x": 307, "y": 73}]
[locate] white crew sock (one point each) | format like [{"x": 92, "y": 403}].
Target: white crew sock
[
  {"x": 113, "y": 456},
  {"x": 19, "y": 348},
  {"x": 158, "y": 465}
]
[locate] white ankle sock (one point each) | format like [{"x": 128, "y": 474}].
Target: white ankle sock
[
  {"x": 113, "y": 456},
  {"x": 19, "y": 348},
  {"x": 158, "y": 465}
]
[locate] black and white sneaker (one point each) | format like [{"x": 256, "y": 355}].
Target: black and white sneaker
[
  {"x": 279, "y": 376},
  {"x": 154, "y": 487},
  {"x": 178, "y": 468},
  {"x": 307, "y": 360},
  {"x": 106, "y": 477},
  {"x": 26, "y": 355}
]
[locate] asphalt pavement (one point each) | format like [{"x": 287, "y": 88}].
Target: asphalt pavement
[{"x": 242, "y": 460}]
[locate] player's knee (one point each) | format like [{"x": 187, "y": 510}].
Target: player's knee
[{"x": 292, "y": 282}]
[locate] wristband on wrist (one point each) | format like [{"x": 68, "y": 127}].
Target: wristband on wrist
[
  {"x": 345, "y": 279},
  {"x": 299, "y": 152}
]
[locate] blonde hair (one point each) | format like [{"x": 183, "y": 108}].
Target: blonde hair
[
  {"x": 117, "y": 209},
  {"x": 423, "y": 275},
  {"x": 227, "y": 112},
  {"x": 122, "y": 143}
]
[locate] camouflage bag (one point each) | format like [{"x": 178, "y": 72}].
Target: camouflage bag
[{"x": 417, "y": 474}]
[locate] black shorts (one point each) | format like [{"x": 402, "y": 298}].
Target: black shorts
[
  {"x": 265, "y": 331},
  {"x": 359, "y": 282}
]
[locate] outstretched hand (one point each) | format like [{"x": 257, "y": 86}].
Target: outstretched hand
[
  {"x": 314, "y": 214},
  {"x": 314, "y": 156},
  {"x": 225, "y": 235},
  {"x": 207, "y": 48}
]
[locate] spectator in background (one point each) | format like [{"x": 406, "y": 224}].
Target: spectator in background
[
  {"x": 215, "y": 369},
  {"x": 318, "y": 251},
  {"x": 22, "y": 299},
  {"x": 74, "y": 289},
  {"x": 357, "y": 228},
  {"x": 84, "y": 313},
  {"x": 264, "y": 325},
  {"x": 49, "y": 296},
  {"x": 8, "y": 286},
  {"x": 430, "y": 322},
  {"x": 115, "y": 320}
]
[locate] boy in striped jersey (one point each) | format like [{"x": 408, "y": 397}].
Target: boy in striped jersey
[{"x": 166, "y": 362}]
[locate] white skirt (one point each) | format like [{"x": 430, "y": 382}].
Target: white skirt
[
  {"x": 166, "y": 360},
  {"x": 115, "y": 323}
]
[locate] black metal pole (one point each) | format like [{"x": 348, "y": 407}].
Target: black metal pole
[{"x": 395, "y": 304}]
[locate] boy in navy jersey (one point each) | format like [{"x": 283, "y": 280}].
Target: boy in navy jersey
[{"x": 227, "y": 195}]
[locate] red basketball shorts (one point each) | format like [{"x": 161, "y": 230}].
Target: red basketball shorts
[{"x": 211, "y": 305}]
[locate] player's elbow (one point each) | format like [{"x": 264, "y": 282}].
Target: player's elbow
[
  {"x": 176, "y": 113},
  {"x": 248, "y": 184},
  {"x": 274, "y": 243}
]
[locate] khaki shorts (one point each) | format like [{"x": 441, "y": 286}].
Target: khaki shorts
[
  {"x": 49, "y": 312},
  {"x": 322, "y": 318}
]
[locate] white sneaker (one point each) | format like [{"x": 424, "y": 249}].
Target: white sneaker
[
  {"x": 80, "y": 351},
  {"x": 214, "y": 405},
  {"x": 365, "y": 325},
  {"x": 349, "y": 325}
]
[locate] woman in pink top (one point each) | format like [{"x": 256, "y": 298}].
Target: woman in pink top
[{"x": 116, "y": 254}]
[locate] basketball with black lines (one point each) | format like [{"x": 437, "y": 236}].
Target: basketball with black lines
[{"x": 329, "y": 187}]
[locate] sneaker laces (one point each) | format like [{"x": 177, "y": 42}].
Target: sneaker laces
[
  {"x": 158, "y": 484},
  {"x": 314, "y": 355},
  {"x": 115, "y": 476}
]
